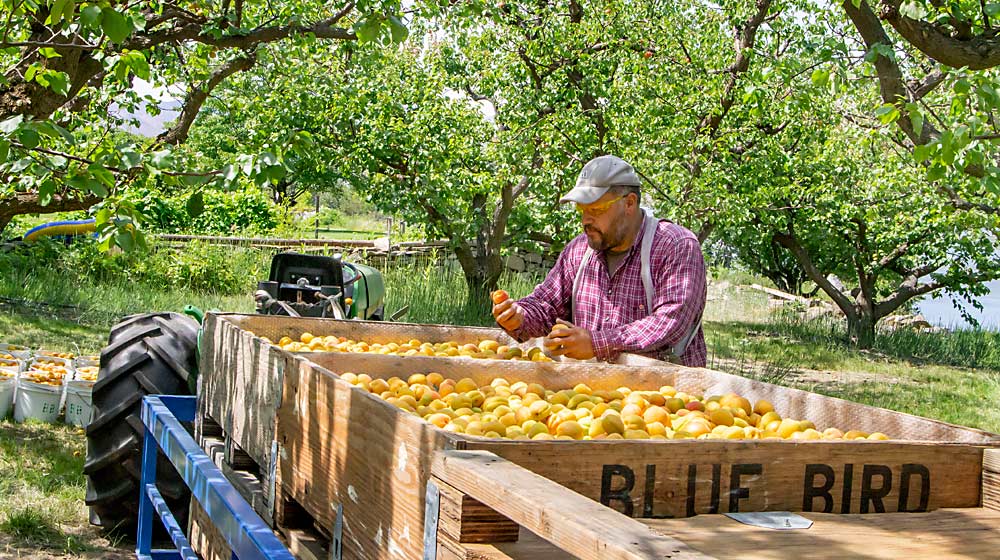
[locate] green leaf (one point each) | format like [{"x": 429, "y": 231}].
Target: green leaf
[
  {"x": 115, "y": 25},
  {"x": 397, "y": 29},
  {"x": 90, "y": 16},
  {"x": 230, "y": 172},
  {"x": 54, "y": 80},
  {"x": 268, "y": 158},
  {"x": 161, "y": 159},
  {"x": 195, "y": 204},
  {"x": 916, "y": 117},
  {"x": 57, "y": 12},
  {"x": 29, "y": 73},
  {"x": 102, "y": 174},
  {"x": 45, "y": 191},
  {"x": 130, "y": 159},
  {"x": 49, "y": 52},
  {"x": 369, "y": 30},
  {"x": 29, "y": 138},
  {"x": 992, "y": 9},
  {"x": 20, "y": 165},
  {"x": 274, "y": 173},
  {"x": 820, "y": 77},
  {"x": 887, "y": 113},
  {"x": 962, "y": 86},
  {"x": 4, "y": 150},
  {"x": 124, "y": 240},
  {"x": 50, "y": 128},
  {"x": 936, "y": 172}
]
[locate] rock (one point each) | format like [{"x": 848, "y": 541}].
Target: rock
[
  {"x": 533, "y": 258},
  {"x": 818, "y": 312},
  {"x": 382, "y": 244},
  {"x": 916, "y": 322},
  {"x": 515, "y": 263}
]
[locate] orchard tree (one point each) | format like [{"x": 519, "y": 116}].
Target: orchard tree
[{"x": 68, "y": 73}]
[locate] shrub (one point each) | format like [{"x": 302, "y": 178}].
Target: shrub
[{"x": 241, "y": 212}]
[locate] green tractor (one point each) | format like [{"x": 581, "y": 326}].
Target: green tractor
[{"x": 157, "y": 353}]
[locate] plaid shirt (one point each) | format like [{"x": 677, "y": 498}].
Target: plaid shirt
[{"x": 614, "y": 309}]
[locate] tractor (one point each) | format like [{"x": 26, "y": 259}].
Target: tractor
[{"x": 157, "y": 353}]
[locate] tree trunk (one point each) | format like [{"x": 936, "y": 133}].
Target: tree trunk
[
  {"x": 861, "y": 328},
  {"x": 482, "y": 277}
]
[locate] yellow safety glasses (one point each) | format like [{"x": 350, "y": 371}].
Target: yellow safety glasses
[{"x": 598, "y": 209}]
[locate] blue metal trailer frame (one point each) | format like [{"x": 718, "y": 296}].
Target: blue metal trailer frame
[{"x": 247, "y": 535}]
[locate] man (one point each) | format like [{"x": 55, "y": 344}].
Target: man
[{"x": 629, "y": 283}]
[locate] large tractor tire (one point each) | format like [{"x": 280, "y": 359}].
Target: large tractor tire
[{"x": 147, "y": 354}]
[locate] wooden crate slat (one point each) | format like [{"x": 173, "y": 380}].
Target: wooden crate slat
[{"x": 575, "y": 524}]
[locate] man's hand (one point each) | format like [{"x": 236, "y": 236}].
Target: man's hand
[
  {"x": 571, "y": 341},
  {"x": 508, "y": 314}
]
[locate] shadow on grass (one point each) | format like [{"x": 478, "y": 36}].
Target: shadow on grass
[
  {"x": 29, "y": 327},
  {"x": 43, "y": 456},
  {"x": 42, "y": 487}
]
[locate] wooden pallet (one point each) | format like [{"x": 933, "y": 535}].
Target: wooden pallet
[{"x": 333, "y": 450}]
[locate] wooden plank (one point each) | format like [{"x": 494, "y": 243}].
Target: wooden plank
[
  {"x": 342, "y": 445},
  {"x": 245, "y": 482},
  {"x": 947, "y": 533},
  {"x": 528, "y": 546},
  {"x": 779, "y": 294},
  {"x": 306, "y": 545},
  {"x": 205, "y": 539},
  {"x": 686, "y": 477},
  {"x": 951, "y": 534},
  {"x": 575, "y": 524},
  {"x": 991, "y": 479},
  {"x": 467, "y": 520}
]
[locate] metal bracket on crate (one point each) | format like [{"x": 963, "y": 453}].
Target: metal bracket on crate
[
  {"x": 432, "y": 509},
  {"x": 337, "y": 544},
  {"x": 245, "y": 532}
]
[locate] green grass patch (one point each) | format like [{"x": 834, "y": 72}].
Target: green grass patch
[
  {"x": 438, "y": 293},
  {"x": 42, "y": 487}
]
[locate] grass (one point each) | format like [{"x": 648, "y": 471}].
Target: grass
[
  {"x": 436, "y": 294},
  {"x": 41, "y": 494}
]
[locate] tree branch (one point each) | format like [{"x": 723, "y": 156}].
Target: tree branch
[
  {"x": 789, "y": 242},
  {"x": 198, "y": 94},
  {"x": 29, "y": 203},
  {"x": 978, "y": 52}
]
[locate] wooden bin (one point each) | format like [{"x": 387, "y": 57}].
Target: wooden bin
[{"x": 329, "y": 455}]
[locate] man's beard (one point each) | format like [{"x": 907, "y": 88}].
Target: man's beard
[{"x": 607, "y": 240}]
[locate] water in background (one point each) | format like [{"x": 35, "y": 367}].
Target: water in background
[{"x": 939, "y": 311}]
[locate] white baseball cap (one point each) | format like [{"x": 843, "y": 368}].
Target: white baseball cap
[{"x": 599, "y": 175}]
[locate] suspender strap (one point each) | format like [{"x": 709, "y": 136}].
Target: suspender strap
[
  {"x": 576, "y": 284},
  {"x": 649, "y": 227}
]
